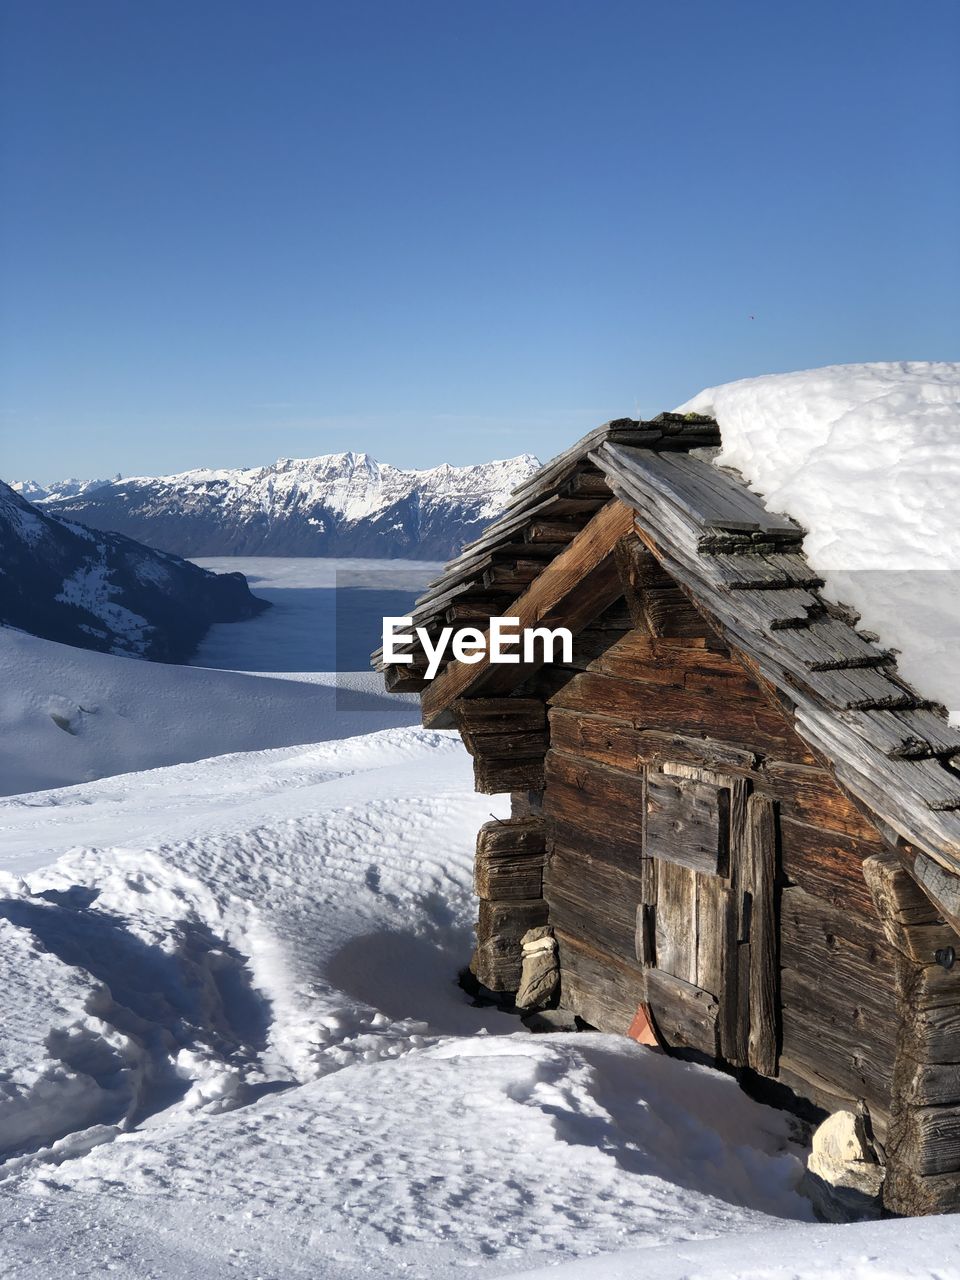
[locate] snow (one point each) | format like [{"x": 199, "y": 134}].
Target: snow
[
  {"x": 921, "y": 1249},
  {"x": 90, "y": 587},
  {"x": 234, "y": 1042},
  {"x": 240, "y": 1044},
  {"x": 352, "y": 485},
  {"x": 867, "y": 458},
  {"x": 73, "y": 488},
  {"x": 351, "y": 497},
  {"x": 69, "y": 715}
]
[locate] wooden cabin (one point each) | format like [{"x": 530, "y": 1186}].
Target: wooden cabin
[{"x": 739, "y": 824}]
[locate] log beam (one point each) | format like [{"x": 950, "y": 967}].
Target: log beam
[{"x": 573, "y": 589}]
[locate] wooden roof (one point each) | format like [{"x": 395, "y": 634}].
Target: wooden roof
[
  {"x": 743, "y": 568},
  {"x": 887, "y": 745},
  {"x": 545, "y": 513}
]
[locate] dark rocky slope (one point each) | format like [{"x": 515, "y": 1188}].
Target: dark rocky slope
[{"x": 103, "y": 591}]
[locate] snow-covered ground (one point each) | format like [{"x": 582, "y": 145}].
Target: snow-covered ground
[
  {"x": 69, "y": 715},
  {"x": 867, "y": 458},
  {"x": 236, "y": 1045},
  {"x": 295, "y": 674}
]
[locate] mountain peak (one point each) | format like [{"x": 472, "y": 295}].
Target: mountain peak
[{"x": 335, "y": 504}]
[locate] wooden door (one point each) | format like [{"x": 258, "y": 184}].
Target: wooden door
[{"x": 706, "y": 927}]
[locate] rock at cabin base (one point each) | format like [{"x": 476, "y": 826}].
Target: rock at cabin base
[
  {"x": 843, "y": 1180},
  {"x": 540, "y": 972}
]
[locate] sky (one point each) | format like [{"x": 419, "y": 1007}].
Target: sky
[{"x": 452, "y": 230}]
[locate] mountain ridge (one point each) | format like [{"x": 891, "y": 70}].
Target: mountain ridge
[{"x": 341, "y": 504}]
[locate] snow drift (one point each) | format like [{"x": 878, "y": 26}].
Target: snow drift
[
  {"x": 69, "y": 716},
  {"x": 239, "y": 1046}
]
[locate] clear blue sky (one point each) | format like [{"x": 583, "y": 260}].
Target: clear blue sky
[{"x": 453, "y": 229}]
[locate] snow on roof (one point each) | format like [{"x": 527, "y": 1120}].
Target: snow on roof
[{"x": 867, "y": 458}]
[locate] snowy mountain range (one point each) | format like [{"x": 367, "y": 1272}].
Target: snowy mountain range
[
  {"x": 104, "y": 591},
  {"x": 341, "y": 504},
  {"x": 34, "y": 492}
]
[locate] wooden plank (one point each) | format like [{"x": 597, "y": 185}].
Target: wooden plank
[
  {"x": 928, "y": 986},
  {"x": 701, "y": 490},
  {"x": 511, "y": 919},
  {"x": 512, "y": 573},
  {"x": 475, "y": 608},
  {"x": 687, "y": 823},
  {"x": 597, "y": 988},
  {"x": 594, "y": 809},
  {"x": 509, "y": 860},
  {"x": 910, "y": 1194},
  {"x": 589, "y": 482},
  {"x": 906, "y": 734},
  {"x": 821, "y": 1041},
  {"x": 596, "y": 738},
  {"x": 932, "y": 1035},
  {"x": 404, "y": 679},
  {"x": 563, "y": 578},
  {"x": 760, "y": 874},
  {"x": 753, "y": 572},
  {"x": 712, "y": 902},
  {"x": 926, "y": 1084},
  {"x": 593, "y": 900},
  {"x": 827, "y": 865},
  {"x": 526, "y": 804},
  {"x": 493, "y": 775},
  {"x": 499, "y": 715},
  {"x": 657, "y": 606},
  {"x": 649, "y": 660},
  {"x": 503, "y": 837},
  {"x": 629, "y": 555},
  {"x": 555, "y": 532},
  {"x": 676, "y": 921},
  {"x": 616, "y": 743},
  {"x": 497, "y": 959},
  {"x": 826, "y": 1095},
  {"x": 928, "y": 1141},
  {"x": 828, "y": 644},
  {"x": 860, "y": 688},
  {"x": 735, "y": 997},
  {"x": 514, "y": 745},
  {"x": 910, "y": 921},
  {"x": 742, "y": 718},
  {"x": 844, "y": 951},
  {"x": 941, "y": 886},
  {"x": 810, "y": 795},
  {"x": 512, "y": 877},
  {"x": 685, "y": 1015},
  {"x": 507, "y": 738},
  {"x": 768, "y": 611}
]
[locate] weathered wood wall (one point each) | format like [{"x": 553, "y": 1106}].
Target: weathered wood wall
[
  {"x": 698, "y": 863},
  {"x": 633, "y": 702}
]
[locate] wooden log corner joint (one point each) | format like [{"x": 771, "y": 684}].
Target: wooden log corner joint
[{"x": 735, "y": 829}]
